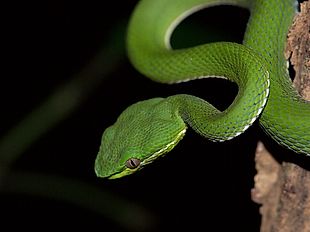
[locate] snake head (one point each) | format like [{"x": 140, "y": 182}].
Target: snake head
[{"x": 143, "y": 132}]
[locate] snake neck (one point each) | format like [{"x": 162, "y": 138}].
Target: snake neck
[{"x": 208, "y": 121}]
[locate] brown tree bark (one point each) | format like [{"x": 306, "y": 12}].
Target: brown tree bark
[{"x": 282, "y": 184}]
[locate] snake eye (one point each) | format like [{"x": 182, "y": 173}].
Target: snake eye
[{"x": 132, "y": 163}]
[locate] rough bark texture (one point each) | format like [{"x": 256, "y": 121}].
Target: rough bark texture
[{"x": 282, "y": 185}]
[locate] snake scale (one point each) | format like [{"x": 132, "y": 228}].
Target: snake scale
[{"x": 148, "y": 129}]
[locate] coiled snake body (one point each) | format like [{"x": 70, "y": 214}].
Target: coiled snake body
[{"x": 150, "y": 128}]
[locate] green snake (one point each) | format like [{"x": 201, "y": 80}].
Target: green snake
[{"x": 149, "y": 129}]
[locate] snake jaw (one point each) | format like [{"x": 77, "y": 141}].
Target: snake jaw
[{"x": 125, "y": 172}]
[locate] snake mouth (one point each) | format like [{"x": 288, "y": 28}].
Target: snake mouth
[{"x": 125, "y": 172}]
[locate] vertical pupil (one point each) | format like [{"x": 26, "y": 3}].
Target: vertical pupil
[{"x": 132, "y": 163}]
